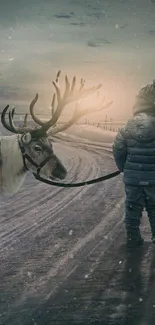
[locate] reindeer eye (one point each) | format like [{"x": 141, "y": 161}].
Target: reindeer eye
[{"x": 38, "y": 148}]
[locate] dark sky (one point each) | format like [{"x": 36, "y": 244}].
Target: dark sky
[{"x": 111, "y": 41}]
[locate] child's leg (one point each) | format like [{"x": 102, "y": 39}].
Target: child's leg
[
  {"x": 134, "y": 205},
  {"x": 150, "y": 206}
]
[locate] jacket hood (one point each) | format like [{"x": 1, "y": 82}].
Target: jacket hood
[
  {"x": 145, "y": 100},
  {"x": 144, "y": 106},
  {"x": 142, "y": 127}
]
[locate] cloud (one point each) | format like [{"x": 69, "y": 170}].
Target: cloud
[
  {"x": 98, "y": 15},
  {"x": 98, "y": 42},
  {"x": 92, "y": 44},
  {"x": 78, "y": 24},
  {"x": 152, "y": 32},
  {"x": 64, "y": 16},
  {"x": 79, "y": 37}
]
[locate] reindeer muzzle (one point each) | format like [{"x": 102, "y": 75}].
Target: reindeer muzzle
[{"x": 59, "y": 171}]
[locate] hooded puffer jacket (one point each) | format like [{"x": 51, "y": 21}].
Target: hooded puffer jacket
[{"x": 134, "y": 150}]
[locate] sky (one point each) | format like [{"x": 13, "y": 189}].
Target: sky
[{"x": 105, "y": 41}]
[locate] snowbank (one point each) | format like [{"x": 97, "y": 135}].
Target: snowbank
[{"x": 90, "y": 133}]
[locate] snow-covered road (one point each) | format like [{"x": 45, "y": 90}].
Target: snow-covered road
[{"x": 62, "y": 253}]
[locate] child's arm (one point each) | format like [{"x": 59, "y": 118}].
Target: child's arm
[{"x": 120, "y": 150}]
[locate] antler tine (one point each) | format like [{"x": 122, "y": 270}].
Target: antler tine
[
  {"x": 3, "y": 119},
  {"x": 82, "y": 83},
  {"x": 13, "y": 127},
  {"x": 67, "y": 88},
  {"x": 58, "y": 75},
  {"x": 31, "y": 107},
  {"x": 25, "y": 120},
  {"x": 53, "y": 105},
  {"x": 73, "y": 85},
  {"x": 76, "y": 116},
  {"x": 13, "y": 112},
  {"x": 53, "y": 119},
  {"x": 47, "y": 124}
]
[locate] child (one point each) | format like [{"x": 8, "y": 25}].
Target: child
[{"x": 134, "y": 154}]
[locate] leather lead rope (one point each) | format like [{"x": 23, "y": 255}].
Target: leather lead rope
[
  {"x": 92, "y": 181},
  {"x": 49, "y": 182}
]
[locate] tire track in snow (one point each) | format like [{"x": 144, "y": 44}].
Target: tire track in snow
[
  {"x": 64, "y": 265},
  {"x": 67, "y": 264},
  {"x": 8, "y": 238}
]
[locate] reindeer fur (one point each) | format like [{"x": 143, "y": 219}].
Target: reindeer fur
[{"x": 12, "y": 172}]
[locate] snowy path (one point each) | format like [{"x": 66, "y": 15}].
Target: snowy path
[{"x": 62, "y": 251}]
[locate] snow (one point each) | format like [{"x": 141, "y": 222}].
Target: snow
[
  {"x": 90, "y": 133},
  {"x": 29, "y": 274}
]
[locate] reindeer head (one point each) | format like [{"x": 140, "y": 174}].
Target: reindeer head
[
  {"x": 37, "y": 143},
  {"x": 36, "y": 146}
]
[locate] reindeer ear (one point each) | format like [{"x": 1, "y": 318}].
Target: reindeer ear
[{"x": 26, "y": 138}]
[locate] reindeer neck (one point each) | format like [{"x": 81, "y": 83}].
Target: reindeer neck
[{"x": 12, "y": 171}]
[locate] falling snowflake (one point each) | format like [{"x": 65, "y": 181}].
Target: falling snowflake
[
  {"x": 117, "y": 26},
  {"x": 118, "y": 205},
  {"x": 140, "y": 299},
  {"x": 70, "y": 232},
  {"x": 120, "y": 262},
  {"x": 86, "y": 276},
  {"x": 29, "y": 274},
  {"x": 57, "y": 245}
]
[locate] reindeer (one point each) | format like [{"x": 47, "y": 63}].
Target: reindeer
[{"x": 30, "y": 149}]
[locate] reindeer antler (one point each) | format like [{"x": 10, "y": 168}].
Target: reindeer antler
[
  {"x": 71, "y": 94},
  {"x": 25, "y": 120},
  {"x": 76, "y": 116},
  {"x": 22, "y": 129},
  {"x": 11, "y": 115}
]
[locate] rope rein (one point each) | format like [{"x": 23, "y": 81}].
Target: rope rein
[
  {"x": 92, "y": 181},
  {"x": 49, "y": 182}
]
